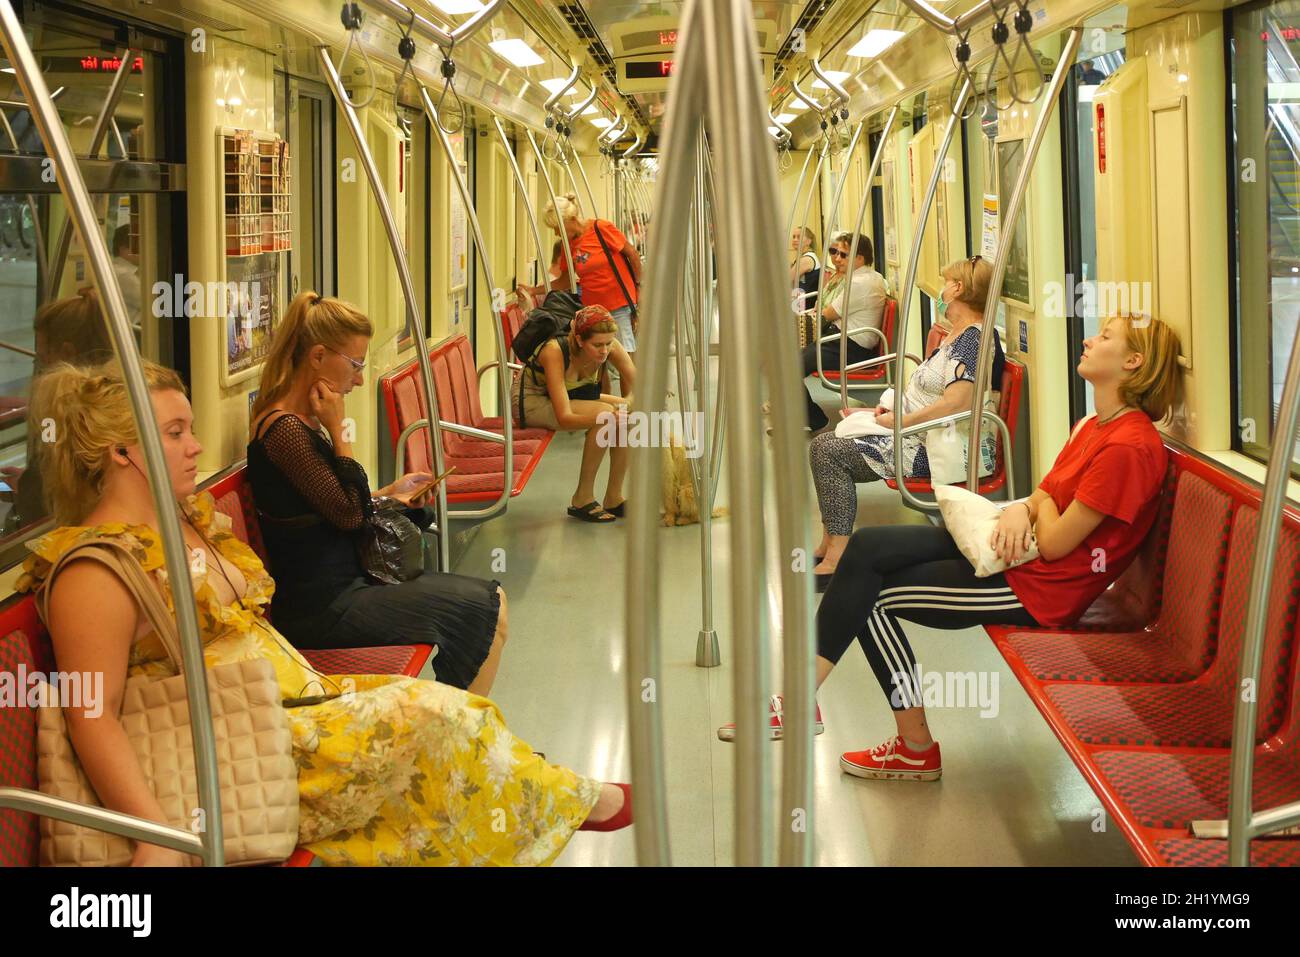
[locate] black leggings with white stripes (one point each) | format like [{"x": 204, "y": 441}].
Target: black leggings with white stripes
[{"x": 909, "y": 572}]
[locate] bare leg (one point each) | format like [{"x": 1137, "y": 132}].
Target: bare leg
[
  {"x": 487, "y": 674},
  {"x": 835, "y": 545},
  {"x": 618, "y": 461},
  {"x": 592, "y": 453},
  {"x": 913, "y": 727}
]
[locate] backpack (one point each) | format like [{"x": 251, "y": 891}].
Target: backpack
[{"x": 549, "y": 320}]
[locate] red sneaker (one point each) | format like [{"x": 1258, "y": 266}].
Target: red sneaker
[
  {"x": 894, "y": 761},
  {"x": 775, "y": 724}
]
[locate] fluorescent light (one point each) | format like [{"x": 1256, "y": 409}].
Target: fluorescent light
[
  {"x": 601, "y": 123},
  {"x": 7, "y": 69},
  {"x": 457, "y": 7},
  {"x": 556, "y": 85},
  {"x": 588, "y": 111},
  {"x": 835, "y": 75},
  {"x": 773, "y": 130},
  {"x": 875, "y": 43},
  {"x": 796, "y": 104},
  {"x": 785, "y": 118},
  {"x": 517, "y": 52}
]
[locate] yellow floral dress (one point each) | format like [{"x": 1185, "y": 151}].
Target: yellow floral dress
[{"x": 394, "y": 771}]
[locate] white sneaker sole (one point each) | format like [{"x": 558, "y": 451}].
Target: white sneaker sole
[
  {"x": 872, "y": 774},
  {"x": 729, "y": 733}
]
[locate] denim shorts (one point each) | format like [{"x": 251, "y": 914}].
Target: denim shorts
[{"x": 626, "y": 337}]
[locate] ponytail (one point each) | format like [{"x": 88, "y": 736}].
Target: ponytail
[{"x": 310, "y": 320}]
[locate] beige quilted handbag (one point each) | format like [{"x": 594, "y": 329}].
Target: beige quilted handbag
[{"x": 257, "y": 773}]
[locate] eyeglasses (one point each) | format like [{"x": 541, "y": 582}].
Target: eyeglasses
[
  {"x": 357, "y": 366},
  {"x": 839, "y": 253}
]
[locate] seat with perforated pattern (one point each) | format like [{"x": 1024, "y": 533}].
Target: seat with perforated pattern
[{"x": 20, "y": 832}]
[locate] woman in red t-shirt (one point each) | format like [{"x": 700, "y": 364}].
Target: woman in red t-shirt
[
  {"x": 606, "y": 280},
  {"x": 1090, "y": 515}
]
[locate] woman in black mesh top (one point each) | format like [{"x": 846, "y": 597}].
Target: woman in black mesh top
[{"x": 312, "y": 497}]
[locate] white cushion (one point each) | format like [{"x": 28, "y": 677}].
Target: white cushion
[{"x": 970, "y": 520}]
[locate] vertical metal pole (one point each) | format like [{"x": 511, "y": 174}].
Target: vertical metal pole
[
  {"x": 550, "y": 191},
  {"x": 1241, "y": 819},
  {"x": 1009, "y": 216},
  {"x": 414, "y": 321},
  {"x": 97, "y": 133},
  {"x": 905, "y": 297},
  {"x": 707, "y": 652},
  {"x": 851, "y": 266},
  {"x": 542, "y": 260},
  {"x": 498, "y": 334},
  {"x": 28, "y": 73}
]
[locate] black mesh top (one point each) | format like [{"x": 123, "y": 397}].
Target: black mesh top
[{"x": 311, "y": 504}]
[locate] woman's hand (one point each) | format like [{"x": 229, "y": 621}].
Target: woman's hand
[
  {"x": 326, "y": 405},
  {"x": 1013, "y": 533},
  {"x": 885, "y": 419},
  {"x": 151, "y": 855},
  {"x": 404, "y": 489},
  {"x": 881, "y": 410}
]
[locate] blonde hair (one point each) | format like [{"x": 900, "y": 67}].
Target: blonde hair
[
  {"x": 1156, "y": 386},
  {"x": 566, "y": 205},
  {"x": 974, "y": 274},
  {"x": 90, "y": 410},
  {"x": 309, "y": 321},
  {"x": 77, "y": 321}
]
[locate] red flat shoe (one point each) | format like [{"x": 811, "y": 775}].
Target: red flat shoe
[{"x": 620, "y": 820}]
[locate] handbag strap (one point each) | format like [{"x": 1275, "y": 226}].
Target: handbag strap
[
  {"x": 119, "y": 560},
  {"x": 610, "y": 257}
]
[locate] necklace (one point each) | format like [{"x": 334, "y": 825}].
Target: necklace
[{"x": 1115, "y": 415}]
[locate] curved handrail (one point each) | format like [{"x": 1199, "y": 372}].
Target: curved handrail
[
  {"x": 834, "y": 85},
  {"x": 209, "y": 842},
  {"x": 636, "y": 145},
  {"x": 782, "y": 130},
  {"x": 826, "y": 251},
  {"x": 1245, "y": 823},
  {"x": 543, "y": 265},
  {"x": 498, "y": 333},
  {"x": 421, "y": 26},
  {"x": 616, "y": 131},
  {"x": 905, "y": 300},
  {"x": 550, "y": 191},
  {"x": 813, "y": 188},
  {"x": 554, "y": 98},
  {"x": 885, "y": 133},
  {"x": 794, "y": 202},
  {"x": 807, "y": 98},
  {"x": 947, "y": 24},
  {"x": 573, "y": 114},
  {"x": 414, "y": 321},
  {"x": 1009, "y": 218}
]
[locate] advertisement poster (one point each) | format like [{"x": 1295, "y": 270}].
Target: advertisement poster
[
  {"x": 891, "y": 214},
  {"x": 989, "y": 244},
  {"x": 250, "y": 310},
  {"x": 1011, "y": 156},
  {"x": 459, "y": 220}
]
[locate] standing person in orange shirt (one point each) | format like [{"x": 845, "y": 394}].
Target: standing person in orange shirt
[{"x": 608, "y": 265}]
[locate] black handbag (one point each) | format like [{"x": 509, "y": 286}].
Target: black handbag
[{"x": 391, "y": 548}]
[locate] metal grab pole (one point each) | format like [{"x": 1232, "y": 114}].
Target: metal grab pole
[
  {"x": 554, "y": 98},
  {"x": 97, "y": 134},
  {"x": 948, "y": 25},
  {"x": 559, "y": 225},
  {"x": 1243, "y": 822},
  {"x": 905, "y": 301},
  {"x": 707, "y": 652},
  {"x": 498, "y": 334},
  {"x": 1009, "y": 217},
  {"x": 542, "y": 262},
  {"x": 814, "y": 187},
  {"x": 414, "y": 321},
  {"x": 209, "y": 844},
  {"x": 673, "y": 198},
  {"x": 577, "y": 161},
  {"x": 876, "y": 158},
  {"x": 826, "y": 257},
  {"x": 798, "y": 188}
]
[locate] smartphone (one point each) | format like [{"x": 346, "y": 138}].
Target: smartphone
[{"x": 424, "y": 489}]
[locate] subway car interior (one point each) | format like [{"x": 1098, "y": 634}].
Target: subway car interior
[{"x": 359, "y": 313}]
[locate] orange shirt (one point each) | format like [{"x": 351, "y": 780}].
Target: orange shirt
[{"x": 599, "y": 285}]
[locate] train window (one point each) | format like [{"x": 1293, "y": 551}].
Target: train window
[
  {"x": 137, "y": 181},
  {"x": 1266, "y": 181},
  {"x": 308, "y": 125},
  {"x": 1102, "y": 55}
]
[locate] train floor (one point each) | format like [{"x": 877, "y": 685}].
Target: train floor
[{"x": 1009, "y": 794}]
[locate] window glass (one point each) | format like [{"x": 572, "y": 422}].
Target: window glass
[{"x": 1266, "y": 126}]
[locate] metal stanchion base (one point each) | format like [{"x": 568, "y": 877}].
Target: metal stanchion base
[{"x": 707, "y": 654}]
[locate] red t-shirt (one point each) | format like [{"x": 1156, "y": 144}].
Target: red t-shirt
[
  {"x": 1117, "y": 469},
  {"x": 599, "y": 287}
]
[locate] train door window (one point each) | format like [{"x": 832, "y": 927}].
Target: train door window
[
  {"x": 1265, "y": 178},
  {"x": 415, "y": 178},
  {"x": 305, "y": 117},
  {"x": 137, "y": 181},
  {"x": 1102, "y": 55}
]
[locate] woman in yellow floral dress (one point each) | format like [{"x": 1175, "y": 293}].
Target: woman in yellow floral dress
[{"x": 392, "y": 770}]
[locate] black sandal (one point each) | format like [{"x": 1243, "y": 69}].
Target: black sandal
[
  {"x": 618, "y": 510},
  {"x": 590, "y": 512}
]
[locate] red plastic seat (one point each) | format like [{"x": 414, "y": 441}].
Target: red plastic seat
[{"x": 888, "y": 320}]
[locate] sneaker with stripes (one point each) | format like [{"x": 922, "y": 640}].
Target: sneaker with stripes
[
  {"x": 775, "y": 724},
  {"x": 894, "y": 761}
]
